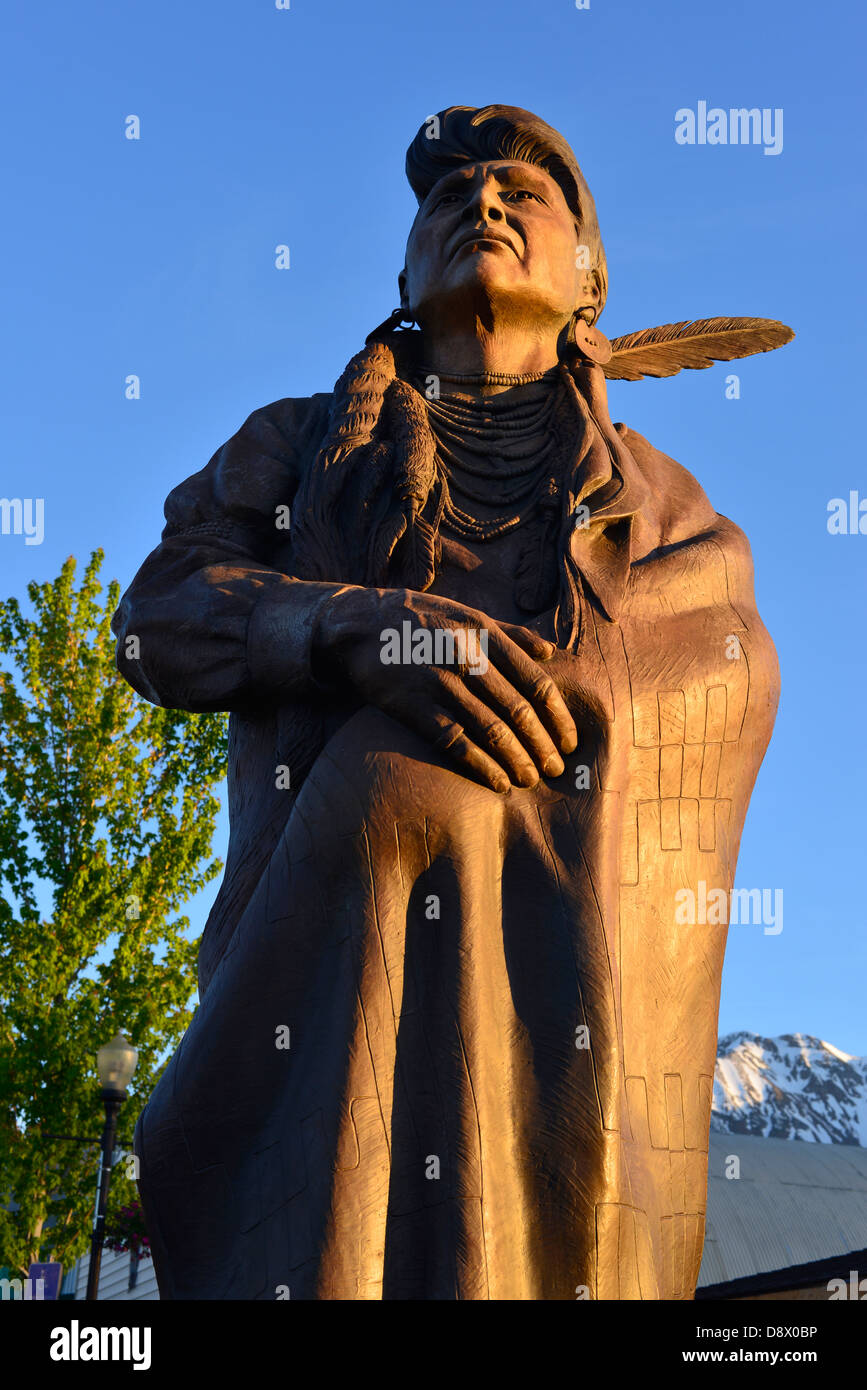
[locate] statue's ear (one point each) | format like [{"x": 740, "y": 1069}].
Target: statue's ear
[{"x": 590, "y": 296}]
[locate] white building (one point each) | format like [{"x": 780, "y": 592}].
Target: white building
[{"x": 119, "y": 1279}]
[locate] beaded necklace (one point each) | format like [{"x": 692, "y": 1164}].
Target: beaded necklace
[{"x": 497, "y": 451}]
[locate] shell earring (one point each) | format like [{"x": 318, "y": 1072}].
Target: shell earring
[
  {"x": 586, "y": 340},
  {"x": 397, "y": 318}
]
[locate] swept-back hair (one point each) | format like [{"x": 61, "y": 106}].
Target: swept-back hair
[{"x": 465, "y": 134}]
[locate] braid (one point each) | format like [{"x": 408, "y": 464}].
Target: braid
[
  {"x": 322, "y": 547},
  {"x": 404, "y": 534},
  {"x": 371, "y": 478}
]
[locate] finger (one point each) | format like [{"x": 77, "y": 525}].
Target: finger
[
  {"x": 439, "y": 728},
  {"x": 500, "y": 696},
  {"x": 537, "y": 687},
  {"x": 539, "y": 648},
  {"x": 491, "y": 732}
]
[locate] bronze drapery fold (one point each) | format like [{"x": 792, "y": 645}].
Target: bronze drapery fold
[{"x": 509, "y": 1099}]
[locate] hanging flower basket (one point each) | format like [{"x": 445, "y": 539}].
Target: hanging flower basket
[{"x": 128, "y": 1232}]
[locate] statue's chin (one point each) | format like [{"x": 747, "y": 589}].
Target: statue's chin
[
  {"x": 488, "y": 268},
  {"x": 501, "y": 270},
  {"x": 490, "y": 296}
]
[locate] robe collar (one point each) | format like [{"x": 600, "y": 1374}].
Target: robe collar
[{"x": 604, "y": 494}]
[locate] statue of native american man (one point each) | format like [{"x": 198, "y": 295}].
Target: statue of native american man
[{"x": 498, "y": 693}]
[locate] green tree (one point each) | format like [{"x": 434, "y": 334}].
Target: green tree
[{"x": 106, "y": 821}]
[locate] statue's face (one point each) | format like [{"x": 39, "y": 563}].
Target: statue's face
[{"x": 495, "y": 237}]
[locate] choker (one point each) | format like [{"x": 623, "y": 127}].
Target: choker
[{"x": 490, "y": 378}]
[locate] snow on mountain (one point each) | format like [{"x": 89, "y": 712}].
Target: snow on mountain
[{"x": 791, "y": 1087}]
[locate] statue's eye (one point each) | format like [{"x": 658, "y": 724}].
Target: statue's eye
[
  {"x": 446, "y": 198},
  {"x": 515, "y": 193}
]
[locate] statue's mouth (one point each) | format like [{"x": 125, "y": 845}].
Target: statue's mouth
[{"x": 483, "y": 241}]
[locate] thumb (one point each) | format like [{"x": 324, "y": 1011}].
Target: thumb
[{"x": 539, "y": 648}]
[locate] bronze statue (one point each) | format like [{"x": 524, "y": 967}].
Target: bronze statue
[{"x": 499, "y": 691}]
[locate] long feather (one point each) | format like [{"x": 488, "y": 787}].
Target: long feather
[{"x": 664, "y": 351}]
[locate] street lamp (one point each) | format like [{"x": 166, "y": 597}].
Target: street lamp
[{"x": 115, "y": 1063}]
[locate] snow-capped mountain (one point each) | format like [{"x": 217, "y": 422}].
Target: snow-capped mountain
[{"x": 791, "y": 1087}]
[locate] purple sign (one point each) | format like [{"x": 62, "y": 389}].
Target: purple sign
[{"x": 51, "y": 1275}]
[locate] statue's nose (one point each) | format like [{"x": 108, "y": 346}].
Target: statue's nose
[{"x": 483, "y": 207}]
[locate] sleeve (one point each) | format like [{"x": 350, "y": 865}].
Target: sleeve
[{"x": 209, "y": 622}]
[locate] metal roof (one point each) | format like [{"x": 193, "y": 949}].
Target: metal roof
[{"x": 794, "y": 1202}]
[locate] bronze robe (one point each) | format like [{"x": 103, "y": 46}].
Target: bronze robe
[{"x": 498, "y": 1084}]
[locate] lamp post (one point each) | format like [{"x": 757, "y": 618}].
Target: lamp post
[{"x": 115, "y": 1063}]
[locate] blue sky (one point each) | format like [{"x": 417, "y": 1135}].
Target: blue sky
[{"x": 262, "y": 126}]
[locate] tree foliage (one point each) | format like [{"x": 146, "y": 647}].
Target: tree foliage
[{"x": 107, "y": 816}]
